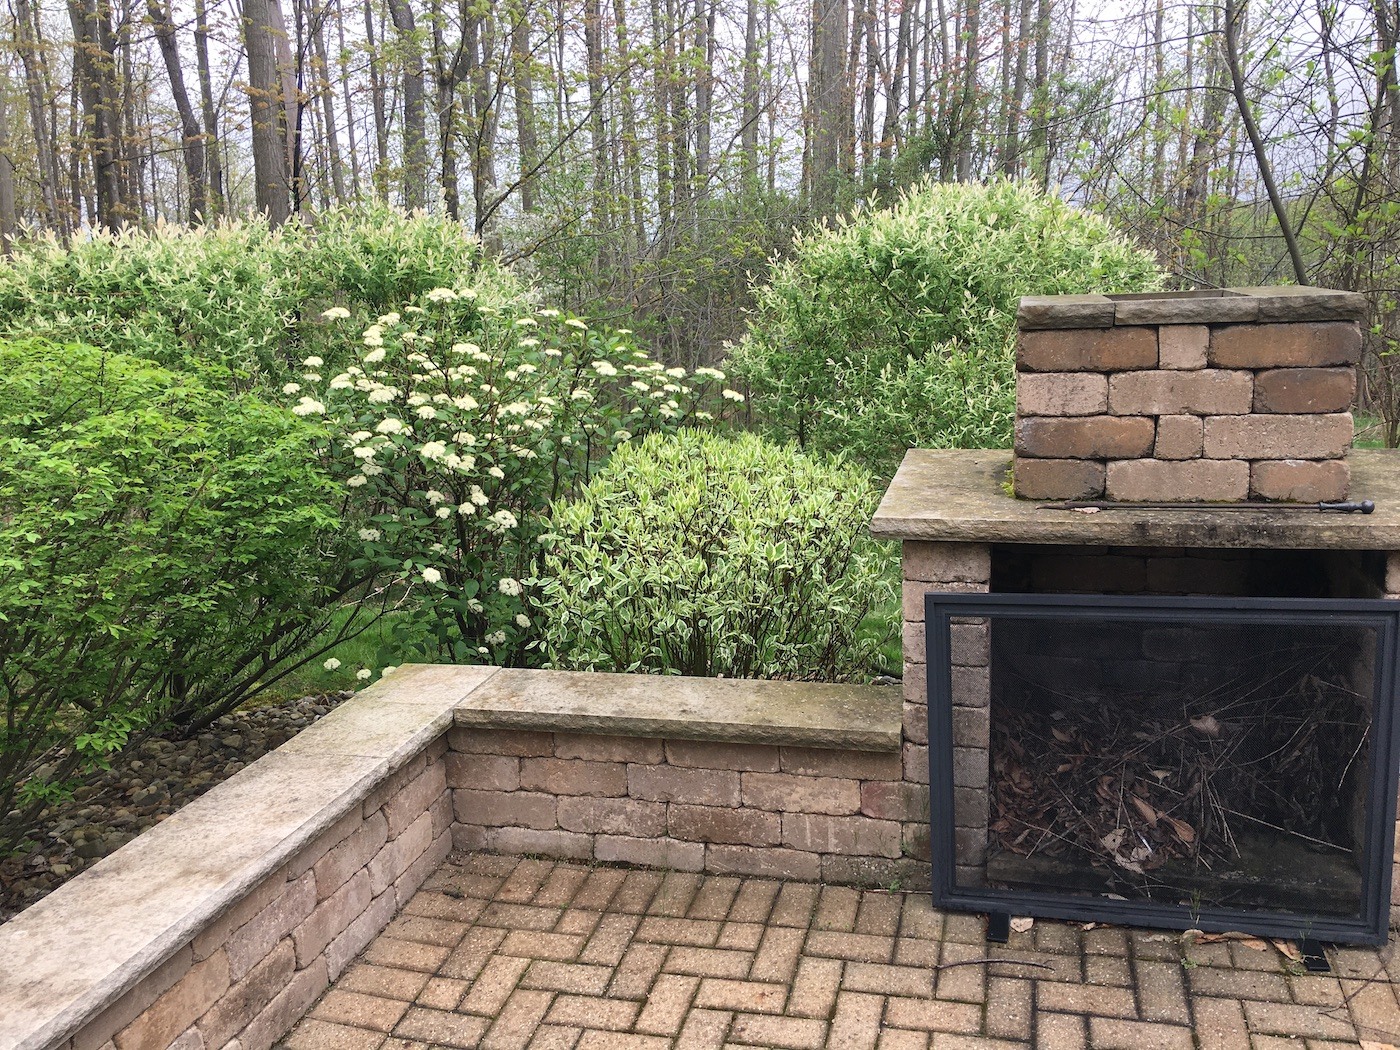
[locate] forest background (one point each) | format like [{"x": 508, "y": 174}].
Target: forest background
[{"x": 644, "y": 161}]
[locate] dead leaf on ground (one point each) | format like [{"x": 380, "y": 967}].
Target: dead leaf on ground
[
  {"x": 1206, "y": 725},
  {"x": 1022, "y": 923},
  {"x": 1289, "y": 949},
  {"x": 1149, "y": 813}
]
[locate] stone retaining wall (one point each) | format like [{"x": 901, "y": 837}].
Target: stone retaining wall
[
  {"x": 218, "y": 928},
  {"x": 838, "y": 816}
]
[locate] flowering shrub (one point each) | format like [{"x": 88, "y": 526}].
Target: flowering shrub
[
  {"x": 236, "y": 302},
  {"x": 464, "y": 418},
  {"x": 896, "y": 327},
  {"x": 697, "y": 554},
  {"x": 165, "y": 551}
]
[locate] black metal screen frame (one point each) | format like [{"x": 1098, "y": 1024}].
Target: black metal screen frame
[{"x": 1372, "y": 925}]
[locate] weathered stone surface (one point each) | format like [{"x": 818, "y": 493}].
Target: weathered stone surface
[
  {"x": 956, "y": 495},
  {"x": 1299, "y": 390},
  {"x": 1085, "y": 437},
  {"x": 1307, "y": 345},
  {"x": 723, "y": 824},
  {"x": 1195, "y": 307},
  {"x": 655, "y": 853},
  {"x": 695, "y": 708},
  {"x": 1278, "y": 437},
  {"x": 1058, "y": 478},
  {"x": 178, "y": 1008},
  {"x": 1203, "y": 480},
  {"x": 947, "y": 562},
  {"x": 1209, "y": 392},
  {"x": 1301, "y": 303},
  {"x": 1305, "y": 481},
  {"x": 847, "y": 836},
  {"x": 613, "y": 816},
  {"x": 1178, "y": 437},
  {"x": 1037, "y": 312},
  {"x": 1061, "y": 393},
  {"x": 1091, "y": 350},
  {"x": 1182, "y": 346},
  {"x": 783, "y": 792}
]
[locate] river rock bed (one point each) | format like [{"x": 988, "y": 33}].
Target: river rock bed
[{"x": 143, "y": 788}]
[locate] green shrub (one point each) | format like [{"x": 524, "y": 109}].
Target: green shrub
[
  {"x": 895, "y": 328},
  {"x": 235, "y": 302},
  {"x": 466, "y": 416},
  {"x": 698, "y": 554},
  {"x": 165, "y": 550}
]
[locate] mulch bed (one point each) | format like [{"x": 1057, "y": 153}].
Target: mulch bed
[{"x": 141, "y": 789}]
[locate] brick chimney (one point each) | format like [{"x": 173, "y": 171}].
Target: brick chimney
[{"x": 1187, "y": 396}]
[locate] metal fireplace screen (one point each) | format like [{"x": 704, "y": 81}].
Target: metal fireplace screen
[{"x": 1220, "y": 764}]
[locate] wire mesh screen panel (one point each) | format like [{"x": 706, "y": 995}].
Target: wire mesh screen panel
[{"x": 1222, "y": 764}]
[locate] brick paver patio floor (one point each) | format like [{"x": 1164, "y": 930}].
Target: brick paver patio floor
[{"x": 498, "y": 952}]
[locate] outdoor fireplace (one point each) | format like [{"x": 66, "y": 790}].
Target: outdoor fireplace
[
  {"x": 1190, "y": 762},
  {"x": 1177, "y": 715}
]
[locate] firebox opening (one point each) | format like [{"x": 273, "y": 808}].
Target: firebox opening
[{"x": 1206, "y": 765}]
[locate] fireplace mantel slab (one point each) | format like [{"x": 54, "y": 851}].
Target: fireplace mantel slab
[{"x": 961, "y": 496}]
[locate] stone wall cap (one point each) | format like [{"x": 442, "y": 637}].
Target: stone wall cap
[
  {"x": 1271, "y": 303},
  {"x": 733, "y": 710},
  {"x": 958, "y": 495}
]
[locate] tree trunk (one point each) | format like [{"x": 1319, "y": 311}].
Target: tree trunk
[
  {"x": 46, "y": 157},
  {"x": 193, "y": 142},
  {"x": 381, "y": 121},
  {"x": 7, "y": 169},
  {"x": 415, "y": 143},
  {"x": 95, "y": 73},
  {"x": 827, "y": 99},
  {"x": 216, "y": 200},
  {"x": 523, "y": 85},
  {"x": 272, "y": 179},
  {"x": 317, "y": 30}
]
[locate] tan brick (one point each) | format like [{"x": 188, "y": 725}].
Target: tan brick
[
  {"x": 441, "y": 1028},
  {"x": 1306, "y": 481},
  {"x": 932, "y": 1015},
  {"x": 254, "y": 941},
  {"x": 406, "y": 955},
  {"x": 745, "y": 827},
  {"x": 916, "y": 763},
  {"x": 564, "y": 845},
  {"x": 915, "y": 682},
  {"x": 178, "y": 1008},
  {"x": 1085, "y": 999},
  {"x": 1285, "y": 345},
  {"x": 1182, "y": 346},
  {"x": 894, "y": 800},
  {"x": 336, "y": 867},
  {"x": 857, "y": 765},
  {"x": 563, "y": 776},
  {"x": 916, "y": 592},
  {"x": 518, "y": 1020},
  {"x": 709, "y": 754},
  {"x": 613, "y": 816},
  {"x": 849, "y": 836},
  {"x": 788, "y": 793},
  {"x": 1087, "y": 349},
  {"x": 1278, "y": 436},
  {"x": 484, "y": 772},
  {"x": 1210, "y": 392},
  {"x": 244, "y": 1000},
  {"x": 313, "y": 1034},
  {"x": 1085, "y": 437},
  {"x": 279, "y": 1015},
  {"x": 675, "y": 895},
  {"x": 306, "y": 858},
  {"x": 1179, "y": 437},
  {"x": 970, "y": 644},
  {"x": 666, "y": 1005},
  {"x": 710, "y": 962},
  {"x": 653, "y": 853},
  {"x": 1064, "y": 1032},
  {"x": 855, "y": 947},
  {"x": 359, "y": 1010},
  {"x": 404, "y": 985},
  {"x": 404, "y": 808},
  {"x": 637, "y": 971},
  {"x": 814, "y": 988},
  {"x": 971, "y": 726},
  {"x": 1305, "y": 390},
  {"x": 1108, "y": 1033},
  {"x": 1061, "y": 394},
  {"x": 608, "y": 748},
  {"x": 746, "y": 996},
  {"x": 1220, "y": 1023},
  {"x": 494, "y": 986},
  {"x": 773, "y": 862},
  {"x": 1009, "y": 1008},
  {"x": 1057, "y": 478},
  {"x": 499, "y": 742},
  {"x": 1188, "y": 480},
  {"x": 331, "y": 918},
  {"x": 856, "y": 1024},
  {"x": 396, "y": 856},
  {"x": 947, "y": 562},
  {"x": 915, "y": 724},
  {"x": 787, "y": 1032},
  {"x": 702, "y": 787},
  {"x": 516, "y": 809},
  {"x": 394, "y": 782}
]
